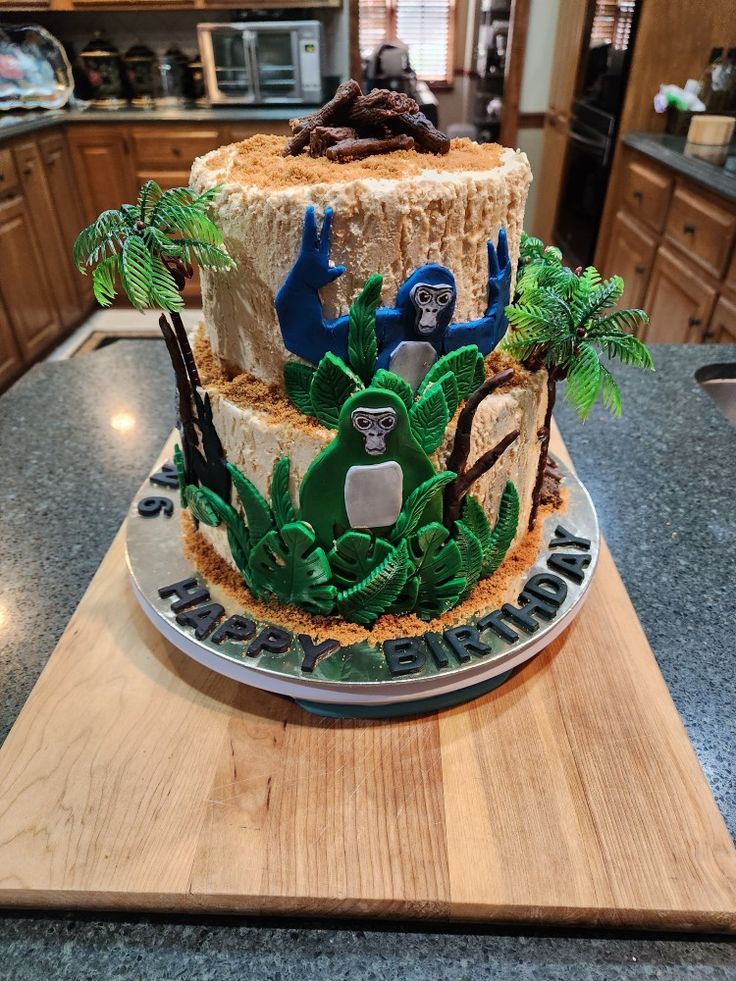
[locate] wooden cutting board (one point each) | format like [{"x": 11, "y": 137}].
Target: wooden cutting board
[{"x": 135, "y": 779}]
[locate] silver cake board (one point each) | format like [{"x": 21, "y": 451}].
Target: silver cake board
[{"x": 359, "y": 680}]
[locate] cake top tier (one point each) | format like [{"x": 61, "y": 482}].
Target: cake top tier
[{"x": 259, "y": 162}]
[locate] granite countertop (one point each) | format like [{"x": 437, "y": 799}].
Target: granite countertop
[
  {"x": 670, "y": 152},
  {"x": 17, "y": 123},
  {"x": 662, "y": 479}
]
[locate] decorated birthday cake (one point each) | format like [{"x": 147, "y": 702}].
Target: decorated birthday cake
[{"x": 364, "y": 412}]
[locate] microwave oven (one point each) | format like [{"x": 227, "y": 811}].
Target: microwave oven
[{"x": 260, "y": 63}]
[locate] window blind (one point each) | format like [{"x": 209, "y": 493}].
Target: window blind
[
  {"x": 424, "y": 26},
  {"x": 612, "y": 23}
]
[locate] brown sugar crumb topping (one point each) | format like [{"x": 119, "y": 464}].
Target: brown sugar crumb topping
[{"x": 259, "y": 162}]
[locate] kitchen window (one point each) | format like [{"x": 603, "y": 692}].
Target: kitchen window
[{"x": 425, "y": 27}]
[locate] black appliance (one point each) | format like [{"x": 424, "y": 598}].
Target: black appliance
[
  {"x": 388, "y": 67},
  {"x": 593, "y": 128},
  {"x": 583, "y": 192}
]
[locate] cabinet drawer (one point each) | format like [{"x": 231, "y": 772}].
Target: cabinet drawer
[
  {"x": 243, "y": 131},
  {"x": 647, "y": 193},
  {"x": 8, "y": 173},
  {"x": 703, "y": 228},
  {"x": 171, "y": 148},
  {"x": 722, "y": 327}
]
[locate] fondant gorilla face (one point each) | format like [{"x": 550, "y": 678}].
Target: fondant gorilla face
[
  {"x": 374, "y": 425},
  {"x": 429, "y": 302}
]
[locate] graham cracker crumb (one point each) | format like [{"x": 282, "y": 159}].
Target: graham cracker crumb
[
  {"x": 258, "y": 162},
  {"x": 245, "y": 390},
  {"x": 489, "y": 594}
]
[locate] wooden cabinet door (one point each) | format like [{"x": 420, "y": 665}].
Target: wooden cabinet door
[
  {"x": 102, "y": 162},
  {"x": 63, "y": 187},
  {"x": 568, "y": 45},
  {"x": 630, "y": 254},
  {"x": 42, "y": 210},
  {"x": 722, "y": 326},
  {"x": 554, "y": 151},
  {"x": 679, "y": 301},
  {"x": 11, "y": 362},
  {"x": 25, "y": 285}
]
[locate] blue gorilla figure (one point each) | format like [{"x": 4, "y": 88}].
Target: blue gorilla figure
[{"x": 413, "y": 333}]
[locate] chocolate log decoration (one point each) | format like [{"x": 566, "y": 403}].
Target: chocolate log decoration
[
  {"x": 353, "y": 126},
  {"x": 425, "y": 134},
  {"x": 349, "y": 150},
  {"x": 322, "y": 137},
  {"x": 335, "y": 110}
]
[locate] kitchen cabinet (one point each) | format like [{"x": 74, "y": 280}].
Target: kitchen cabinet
[
  {"x": 26, "y": 287},
  {"x": 42, "y": 210},
  {"x": 678, "y": 300},
  {"x": 630, "y": 255},
  {"x": 103, "y": 166},
  {"x": 673, "y": 242},
  {"x": 647, "y": 193},
  {"x": 568, "y": 43},
  {"x": 703, "y": 228},
  {"x": 63, "y": 187},
  {"x": 722, "y": 327},
  {"x": 11, "y": 362}
]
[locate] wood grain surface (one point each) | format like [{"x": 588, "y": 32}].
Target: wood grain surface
[{"x": 136, "y": 779}]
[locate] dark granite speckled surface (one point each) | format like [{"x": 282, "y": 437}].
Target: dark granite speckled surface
[{"x": 663, "y": 481}]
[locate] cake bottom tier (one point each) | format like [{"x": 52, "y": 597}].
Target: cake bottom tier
[{"x": 257, "y": 426}]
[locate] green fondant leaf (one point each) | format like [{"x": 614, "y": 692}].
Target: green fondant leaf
[
  {"x": 376, "y": 593},
  {"x": 429, "y": 417},
  {"x": 180, "y": 474},
  {"x": 281, "y": 503},
  {"x": 239, "y": 542},
  {"x": 201, "y": 507},
  {"x": 297, "y": 379},
  {"x": 362, "y": 341},
  {"x": 407, "y": 598},
  {"x": 448, "y": 384},
  {"x": 503, "y": 531},
  {"x": 332, "y": 385},
  {"x": 479, "y": 374},
  {"x": 416, "y": 504},
  {"x": 475, "y": 518},
  {"x": 257, "y": 512},
  {"x": 472, "y": 555},
  {"x": 288, "y": 564},
  {"x": 396, "y": 384},
  {"x": 354, "y": 555},
  {"x": 462, "y": 363},
  {"x": 439, "y": 567}
]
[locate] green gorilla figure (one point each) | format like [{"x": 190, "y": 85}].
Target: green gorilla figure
[{"x": 364, "y": 476}]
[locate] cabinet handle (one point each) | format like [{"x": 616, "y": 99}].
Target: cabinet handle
[
  {"x": 27, "y": 171},
  {"x": 639, "y": 270},
  {"x": 707, "y": 334},
  {"x": 688, "y": 229},
  {"x": 176, "y": 151},
  {"x": 638, "y": 195},
  {"x": 694, "y": 322}
]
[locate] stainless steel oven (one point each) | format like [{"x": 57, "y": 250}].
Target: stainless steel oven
[{"x": 259, "y": 63}]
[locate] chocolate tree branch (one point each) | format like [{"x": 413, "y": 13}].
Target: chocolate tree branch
[
  {"x": 553, "y": 376},
  {"x": 461, "y": 446},
  {"x": 186, "y": 350},
  {"x": 183, "y": 391},
  {"x": 458, "y": 459},
  {"x": 462, "y": 483}
]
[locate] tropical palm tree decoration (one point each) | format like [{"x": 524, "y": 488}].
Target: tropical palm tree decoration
[
  {"x": 564, "y": 320},
  {"x": 150, "y": 248}
]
